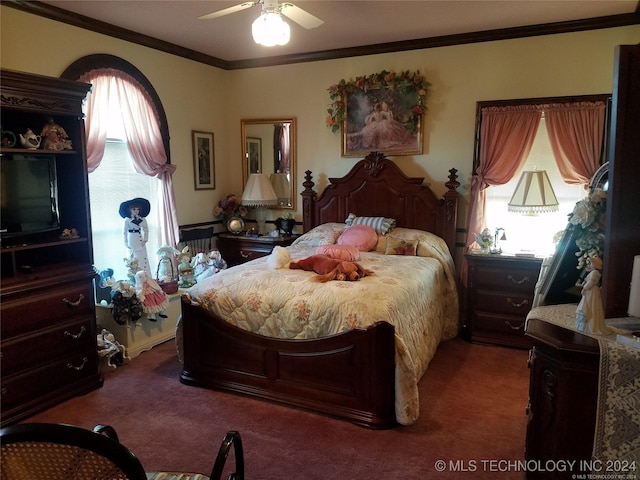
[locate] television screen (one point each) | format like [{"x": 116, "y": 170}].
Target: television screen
[{"x": 29, "y": 196}]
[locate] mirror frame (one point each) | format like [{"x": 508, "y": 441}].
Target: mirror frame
[{"x": 293, "y": 154}]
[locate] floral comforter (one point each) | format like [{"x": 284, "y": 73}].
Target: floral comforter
[{"x": 416, "y": 294}]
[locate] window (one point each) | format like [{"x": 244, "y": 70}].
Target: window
[
  {"x": 114, "y": 181},
  {"x": 513, "y": 136},
  {"x": 525, "y": 232},
  {"x": 127, "y": 157}
]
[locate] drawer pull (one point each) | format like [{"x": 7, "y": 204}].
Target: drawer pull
[
  {"x": 246, "y": 255},
  {"x": 73, "y": 304},
  {"x": 513, "y": 327},
  {"x": 518, "y": 305},
  {"x": 518, "y": 282},
  {"x": 80, "y": 367},
  {"x": 67, "y": 333}
]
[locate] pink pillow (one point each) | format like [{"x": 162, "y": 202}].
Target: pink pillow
[
  {"x": 363, "y": 237},
  {"x": 346, "y": 253}
]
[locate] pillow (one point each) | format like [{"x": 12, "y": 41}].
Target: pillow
[
  {"x": 325, "y": 234},
  {"x": 346, "y": 253},
  {"x": 401, "y": 246},
  {"x": 381, "y": 225},
  {"x": 362, "y": 237}
]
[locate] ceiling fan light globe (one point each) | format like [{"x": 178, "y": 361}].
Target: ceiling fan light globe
[{"x": 269, "y": 29}]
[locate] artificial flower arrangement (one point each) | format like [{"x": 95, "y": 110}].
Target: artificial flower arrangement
[
  {"x": 386, "y": 79},
  {"x": 587, "y": 222},
  {"x": 484, "y": 239},
  {"x": 229, "y": 207}
]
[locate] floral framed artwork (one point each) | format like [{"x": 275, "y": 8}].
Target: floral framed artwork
[
  {"x": 381, "y": 112},
  {"x": 254, "y": 154},
  {"x": 203, "y": 160}
]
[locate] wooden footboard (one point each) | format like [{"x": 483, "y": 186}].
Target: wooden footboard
[{"x": 350, "y": 376}]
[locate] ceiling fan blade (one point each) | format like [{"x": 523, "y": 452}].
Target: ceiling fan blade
[
  {"x": 300, "y": 16},
  {"x": 227, "y": 11}
]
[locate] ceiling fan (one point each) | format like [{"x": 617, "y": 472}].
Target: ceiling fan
[{"x": 269, "y": 28}]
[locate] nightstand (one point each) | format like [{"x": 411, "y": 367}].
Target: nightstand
[
  {"x": 499, "y": 294},
  {"x": 240, "y": 248}
]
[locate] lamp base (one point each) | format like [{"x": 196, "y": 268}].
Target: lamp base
[{"x": 261, "y": 219}]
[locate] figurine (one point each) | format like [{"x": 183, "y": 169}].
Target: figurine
[
  {"x": 55, "y": 137},
  {"x": 136, "y": 230}
]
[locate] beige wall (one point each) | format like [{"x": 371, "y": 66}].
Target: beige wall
[{"x": 200, "y": 97}]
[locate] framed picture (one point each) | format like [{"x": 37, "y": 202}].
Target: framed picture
[
  {"x": 203, "y": 161},
  {"x": 381, "y": 120},
  {"x": 254, "y": 154}
]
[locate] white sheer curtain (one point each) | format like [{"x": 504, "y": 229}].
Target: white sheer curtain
[{"x": 143, "y": 137}]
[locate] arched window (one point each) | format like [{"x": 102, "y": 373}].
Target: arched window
[{"x": 127, "y": 156}]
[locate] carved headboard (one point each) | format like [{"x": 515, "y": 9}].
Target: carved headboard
[{"x": 375, "y": 186}]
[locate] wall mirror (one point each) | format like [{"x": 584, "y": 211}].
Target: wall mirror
[{"x": 269, "y": 147}]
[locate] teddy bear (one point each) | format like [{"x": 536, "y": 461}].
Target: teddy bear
[{"x": 329, "y": 268}]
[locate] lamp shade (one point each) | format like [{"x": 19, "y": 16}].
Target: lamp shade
[
  {"x": 280, "y": 183},
  {"x": 269, "y": 29},
  {"x": 534, "y": 194},
  {"x": 259, "y": 192}
]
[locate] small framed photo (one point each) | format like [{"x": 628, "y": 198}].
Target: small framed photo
[
  {"x": 254, "y": 155},
  {"x": 203, "y": 161}
]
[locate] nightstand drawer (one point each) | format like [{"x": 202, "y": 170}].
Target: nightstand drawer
[
  {"x": 502, "y": 302},
  {"x": 500, "y": 323},
  {"x": 500, "y": 278},
  {"x": 237, "y": 249},
  {"x": 499, "y": 294}
]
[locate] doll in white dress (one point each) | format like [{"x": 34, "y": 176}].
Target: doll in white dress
[{"x": 136, "y": 231}]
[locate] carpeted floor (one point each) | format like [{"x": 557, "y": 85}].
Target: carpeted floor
[{"x": 473, "y": 401}]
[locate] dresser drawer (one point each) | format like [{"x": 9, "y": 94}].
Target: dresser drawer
[
  {"x": 32, "y": 350},
  {"x": 55, "y": 379},
  {"x": 27, "y": 313},
  {"x": 499, "y": 278}
]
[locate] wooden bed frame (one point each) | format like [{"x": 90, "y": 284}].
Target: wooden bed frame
[{"x": 348, "y": 376}]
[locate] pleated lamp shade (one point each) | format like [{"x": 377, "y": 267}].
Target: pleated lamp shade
[{"x": 534, "y": 194}]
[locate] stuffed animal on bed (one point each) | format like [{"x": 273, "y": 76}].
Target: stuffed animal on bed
[
  {"x": 329, "y": 268},
  {"x": 278, "y": 258}
]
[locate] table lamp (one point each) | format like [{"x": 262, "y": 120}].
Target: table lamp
[
  {"x": 259, "y": 193},
  {"x": 534, "y": 194}
]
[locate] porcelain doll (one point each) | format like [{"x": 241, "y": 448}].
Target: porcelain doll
[
  {"x": 136, "y": 230},
  {"x": 154, "y": 300}
]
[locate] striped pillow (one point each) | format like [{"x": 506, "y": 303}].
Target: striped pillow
[{"x": 381, "y": 225}]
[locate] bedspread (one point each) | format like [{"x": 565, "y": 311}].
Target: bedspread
[{"x": 417, "y": 295}]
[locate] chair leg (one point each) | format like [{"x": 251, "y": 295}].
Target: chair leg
[{"x": 232, "y": 438}]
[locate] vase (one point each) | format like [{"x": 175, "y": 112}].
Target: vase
[
  {"x": 235, "y": 225},
  {"x": 286, "y": 225}
]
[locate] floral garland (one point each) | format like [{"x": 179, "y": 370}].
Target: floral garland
[
  {"x": 587, "y": 222},
  {"x": 229, "y": 207},
  {"x": 386, "y": 79}
]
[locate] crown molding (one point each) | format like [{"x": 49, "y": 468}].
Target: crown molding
[{"x": 65, "y": 16}]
